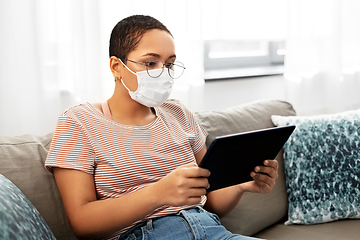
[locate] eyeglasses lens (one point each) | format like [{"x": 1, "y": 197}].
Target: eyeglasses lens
[
  {"x": 175, "y": 69},
  {"x": 154, "y": 64}
]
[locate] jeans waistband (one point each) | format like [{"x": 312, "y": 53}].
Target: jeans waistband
[{"x": 186, "y": 213}]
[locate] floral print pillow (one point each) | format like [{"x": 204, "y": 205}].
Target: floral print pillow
[
  {"x": 19, "y": 219},
  {"x": 322, "y": 167}
]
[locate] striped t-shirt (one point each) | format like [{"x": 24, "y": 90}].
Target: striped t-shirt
[{"x": 126, "y": 158}]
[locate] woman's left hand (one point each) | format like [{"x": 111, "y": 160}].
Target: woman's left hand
[{"x": 264, "y": 178}]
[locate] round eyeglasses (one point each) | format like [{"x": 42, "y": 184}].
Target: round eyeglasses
[{"x": 175, "y": 69}]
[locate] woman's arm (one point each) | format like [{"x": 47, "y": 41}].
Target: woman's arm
[
  {"x": 224, "y": 200},
  {"x": 92, "y": 218}
]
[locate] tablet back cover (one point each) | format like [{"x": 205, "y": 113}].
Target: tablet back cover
[{"x": 231, "y": 158}]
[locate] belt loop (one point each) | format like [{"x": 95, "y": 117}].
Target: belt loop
[{"x": 149, "y": 225}]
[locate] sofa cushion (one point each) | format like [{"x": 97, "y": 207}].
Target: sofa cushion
[
  {"x": 22, "y": 161},
  {"x": 322, "y": 167},
  {"x": 19, "y": 219},
  {"x": 342, "y": 229},
  {"x": 255, "y": 211}
]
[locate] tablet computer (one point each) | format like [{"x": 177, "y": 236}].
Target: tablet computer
[{"x": 231, "y": 158}]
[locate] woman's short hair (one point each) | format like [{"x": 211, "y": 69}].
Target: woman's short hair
[{"x": 128, "y": 32}]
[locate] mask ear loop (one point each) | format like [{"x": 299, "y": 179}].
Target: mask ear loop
[
  {"x": 125, "y": 85},
  {"x": 127, "y": 67},
  {"x": 129, "y": 71}
]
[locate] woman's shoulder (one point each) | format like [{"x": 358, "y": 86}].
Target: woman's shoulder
[
  {"x": 173, "y": 105},
  {"x": 80, "y": 110},
  {"x": 84, "y": 116},
  {"x": 175, "y": 108}
]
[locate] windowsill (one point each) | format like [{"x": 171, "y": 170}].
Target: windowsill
[{"x": 223, "y": 74}]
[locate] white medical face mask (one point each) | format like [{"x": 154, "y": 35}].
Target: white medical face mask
[{"x": 151, "y": 92}]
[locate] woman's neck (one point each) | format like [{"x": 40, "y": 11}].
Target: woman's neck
[{"x": 127, "y": 111}]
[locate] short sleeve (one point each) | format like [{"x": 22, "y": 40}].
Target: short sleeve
[
  {"x": 198, "y": 142},
  {"x": 200, "y": 134},
  {"x": 70, "y": 147}
]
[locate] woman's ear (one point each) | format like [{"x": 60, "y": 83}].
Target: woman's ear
[{"x": 115, "y": 67}]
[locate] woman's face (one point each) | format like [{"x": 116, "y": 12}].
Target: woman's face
[{"x": 154, "y": 45}]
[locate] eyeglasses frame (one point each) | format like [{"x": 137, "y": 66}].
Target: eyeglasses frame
[{"x": 167, "y": 65}]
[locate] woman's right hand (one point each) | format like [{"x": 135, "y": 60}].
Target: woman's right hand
[{"x": 183, "y": 186}]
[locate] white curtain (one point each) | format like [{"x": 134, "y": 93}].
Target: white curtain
[
  {"x": 54, "y": 54},
  {"x": 322, "y": 64}
]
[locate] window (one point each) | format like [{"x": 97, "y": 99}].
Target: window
[{"x": 243, "y": 38}]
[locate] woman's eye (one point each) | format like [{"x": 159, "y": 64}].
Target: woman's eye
[
  {"x": 151, "y": 63},
  {"x": 169, "y": 65}
]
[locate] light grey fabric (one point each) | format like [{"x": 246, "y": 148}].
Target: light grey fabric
[
  {"x": 255, "y": 211},
  {"x": 22, "y": 161},
  {"x": 342, "y": 229}
]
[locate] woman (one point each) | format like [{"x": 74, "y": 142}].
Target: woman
[{"x": 128, "y": 167}]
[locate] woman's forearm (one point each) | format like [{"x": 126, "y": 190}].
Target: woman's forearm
[
  {"x": 102, "y": 218},
  {"x": 223, "y": 201}
]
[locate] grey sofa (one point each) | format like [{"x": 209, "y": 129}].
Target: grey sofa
[{"x": 260, "y": 215}]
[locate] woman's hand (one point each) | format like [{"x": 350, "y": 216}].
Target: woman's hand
[
  {"x": 183, "y": 186},
  {"x": 224, "y": 200},
  {"x": 264, "y": 178}
]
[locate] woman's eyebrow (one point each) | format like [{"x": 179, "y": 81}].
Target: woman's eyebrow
[
  {"x": 151, "y": 54},
  {"x": 156, "y": 55}
]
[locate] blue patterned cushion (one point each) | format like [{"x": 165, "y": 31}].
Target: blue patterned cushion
[
  {"x": 322, "y": 167},
  {"x": 19, "y": 219}
]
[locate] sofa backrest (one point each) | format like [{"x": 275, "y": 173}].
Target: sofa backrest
[{"x": 254, "y": 211}]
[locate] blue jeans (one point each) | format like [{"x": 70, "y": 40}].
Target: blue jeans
[{"x": 195, "y": 223}]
